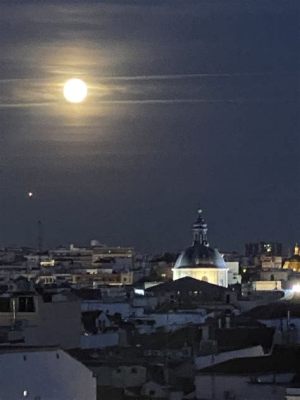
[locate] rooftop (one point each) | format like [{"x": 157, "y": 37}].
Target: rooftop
[
  {"x": 283, "y": 360},
  {"x": 275, "y": 310},
  {"x": 188, "y": 284}
]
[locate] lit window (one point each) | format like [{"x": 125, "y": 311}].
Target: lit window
[{"x": 25, "y": 393}]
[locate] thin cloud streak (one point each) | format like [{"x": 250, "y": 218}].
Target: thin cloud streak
[
  {"x": 24, "y": 105},
  {"x": 191, "y": 76},
  {"x": 154, "y": 101},
  {"x": 179, "y": 101},
  {"x": 164, "y": 77}
]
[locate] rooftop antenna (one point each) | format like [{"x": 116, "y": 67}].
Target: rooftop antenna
[{"x": 39, "y": 240}]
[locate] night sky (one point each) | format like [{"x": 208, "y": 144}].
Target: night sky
[{"x": 191, "y": 103}]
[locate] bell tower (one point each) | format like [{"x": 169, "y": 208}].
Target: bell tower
[{"x": 200, "y": 230}]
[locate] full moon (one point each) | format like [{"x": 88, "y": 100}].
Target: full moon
[{"x": 75, "y": 90}]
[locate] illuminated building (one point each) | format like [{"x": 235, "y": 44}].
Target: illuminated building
[
  {"x": 293, "y": 263},
  {"x": 200, "y": 261},
  {"x": 271, "y": 262},
  {"x": 119, "y": 256}
]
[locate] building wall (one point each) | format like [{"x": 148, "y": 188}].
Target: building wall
[
  {"x": 99, "y": 341},
  {"x": 233, "y": 272},
  {"x": 125, "y": 309},
  {"x": 263, "y": 248},
  {"x": 287, "y": 331},
  {"x": 266, "y": 285},
  {"x": 217, "y": 387},
  {"x": 270, "y": 262},
  {"x": 55, "y": 323},
  {"x": 274, "y": 275},
  {"x": 170, "y": 321},
  {"x": 292, "y": 394},
  {"x": 129, "y": 376},
  {"x": 45, "y": 375},
  {"x": 123, "y": 376},
  {"x": 146, "y": 302},
  {"x": 153, "y": 390}
]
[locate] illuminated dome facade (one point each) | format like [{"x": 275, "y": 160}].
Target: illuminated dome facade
[
  {"x": 293, "y": 262},
  {"x": 200, "y": 261}
]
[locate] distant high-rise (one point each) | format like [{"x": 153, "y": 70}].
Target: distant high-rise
[{"x": 263, "y": 249}]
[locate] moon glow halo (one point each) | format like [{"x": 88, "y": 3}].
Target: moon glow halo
[{"x": 75, "y": 90}]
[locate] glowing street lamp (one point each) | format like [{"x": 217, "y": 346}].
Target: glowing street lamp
[{"x": 296, "y": 288}]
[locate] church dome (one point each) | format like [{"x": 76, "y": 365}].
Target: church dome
[
  {"x": 293, "y": 262},
  {"x": 200, "y": 255}
]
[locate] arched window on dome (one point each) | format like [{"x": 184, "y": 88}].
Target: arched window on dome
[{"x": 204, "y": 278}]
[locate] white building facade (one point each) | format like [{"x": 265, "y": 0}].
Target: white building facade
[{"x": 44, "y": 374}]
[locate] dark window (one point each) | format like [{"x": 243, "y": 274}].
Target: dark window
[
  {"x": 134, "y": 370},
  {"x": 152, "y": 392},
  {"x": 47, "y": 297},
  {"x": 4, "y": 304},
  {"x": 26, "y": 304}
]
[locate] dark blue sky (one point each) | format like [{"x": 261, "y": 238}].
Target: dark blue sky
[{"x": 190, "y": 103}]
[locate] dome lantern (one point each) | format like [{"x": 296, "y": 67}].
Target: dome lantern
[{"x": 200, "y": 230}]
